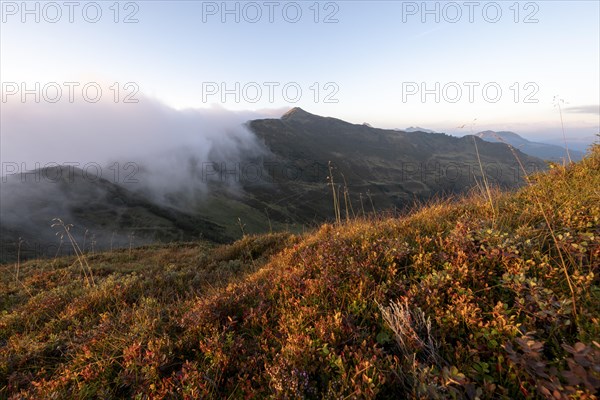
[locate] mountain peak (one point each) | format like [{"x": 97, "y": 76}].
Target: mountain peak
[{"x": 296, "y": 113}]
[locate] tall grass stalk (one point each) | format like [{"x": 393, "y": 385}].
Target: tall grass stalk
[
  {"x": 362, "y": 206},
  {"x": 241, "y": 225},
  {"x": 84, "y": 239},
  {"x": 18, "y": 266},
  {"x": 347, "y": 202},
  {"x": 81, "y": 259},
  {"x": 557, "y": 102},
  {"x": 60, "y": 243},
  {"x": 371, "y": 200},
  {"x": 336, "y": 202},
  {"x": 269, "y": 219},
  {"x": 487, "y": 193},
  {"x": 131, "y": 235},
  {"x": 93, "y": 243}
]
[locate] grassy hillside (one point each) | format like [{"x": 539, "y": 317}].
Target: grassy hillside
[{"x": 466, "y": 299}]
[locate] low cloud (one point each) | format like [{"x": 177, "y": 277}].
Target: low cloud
[
  {"x": 158, "y": 148},
  {"x": 147, "y": 147},
  {"x": 590, "y": 109}
]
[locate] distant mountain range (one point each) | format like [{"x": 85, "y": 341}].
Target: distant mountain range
[
  {"x": 544, "y": 151},
  {"x": 288, "y": 187}
]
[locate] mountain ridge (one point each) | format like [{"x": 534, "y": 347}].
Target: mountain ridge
[
  {"x": 287, "y": 187},
  {"x": 393, "y": 168}
]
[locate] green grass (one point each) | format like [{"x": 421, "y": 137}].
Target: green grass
[{"x": 441, "y": 303}]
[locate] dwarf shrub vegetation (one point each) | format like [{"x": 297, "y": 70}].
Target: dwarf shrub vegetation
[{"x": 459, "y": 299}]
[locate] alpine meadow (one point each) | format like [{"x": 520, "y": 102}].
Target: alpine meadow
[{"x": 300, "y": 200}]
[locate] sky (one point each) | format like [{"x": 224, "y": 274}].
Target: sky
[{"x": 440, "y": 65}]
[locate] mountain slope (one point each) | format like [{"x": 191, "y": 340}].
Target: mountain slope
[
  {"x": 544, "y": 151},
  {"x": 389, "y": 168},
  {"x": 457, "y": 300},
  {"x": 112, "y": 215}
]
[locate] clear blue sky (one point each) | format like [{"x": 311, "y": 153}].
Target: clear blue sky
[{"x": 374, "y": 55}]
